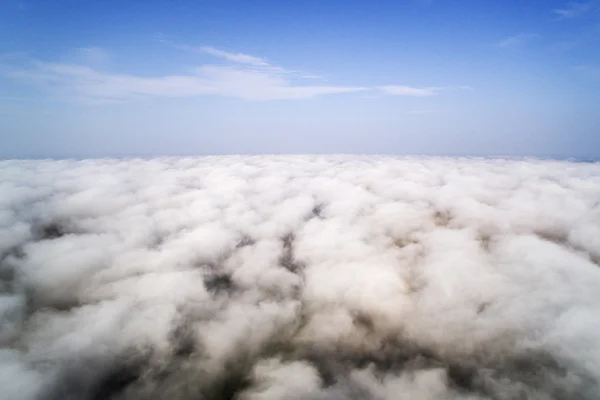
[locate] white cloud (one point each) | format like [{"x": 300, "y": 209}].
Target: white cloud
[
  {"x": 576, "y": 9},
  {"x": 243, "y": 77},
  {"x": 398, "y": 90},
  {"x": 318, "y": 77},
  {"x": 91, "y": 55},
  {"x": 85, "y": 82},
  {"x": 235, "y": 57},
  {"x": 239, "y": 58},
  {"x": 519, "y": 40},
  {"x": 246, "y": 60},
  {"x": 304, "y": 277}
]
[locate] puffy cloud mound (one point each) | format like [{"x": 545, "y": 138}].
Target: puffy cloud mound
[{"x": 265, "y": 278}]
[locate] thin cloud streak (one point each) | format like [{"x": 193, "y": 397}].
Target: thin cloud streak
[
  {"x": 235, "y": 57},
  {"x": 408, "y": 91},
  {"x": 399, "y": 90},
  {"x": 576, "y": 9},
  {"x": 519, "y": 40},
  {"x": 241, "y": 59},
  {"x": 78, "y": 81},
  {"x": 245, "y": 78}
]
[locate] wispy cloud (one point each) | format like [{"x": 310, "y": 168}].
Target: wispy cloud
[
  {"x": 235, "y": 57},
  {"x": 427, "y": 111},
  {"x": 314, "y": 77},
  {"x": 408, "y": 91},
  {"x": 519, "y": 40},
  {"x": 398, "y": 90},
  {"x": 576, "y": 9},
  {"x": 91, "y": 55},
  {"x": 84, "y": 82},
  {"x": 241, "y": 59},
  {"x": 243, "y": 77}
]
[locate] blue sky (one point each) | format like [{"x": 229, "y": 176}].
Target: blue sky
[{"x": 114, "y": 78}]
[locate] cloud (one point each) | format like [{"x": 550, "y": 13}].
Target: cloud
[
  {"x": 78, "y": 81},
  {"x": 246, "y": 60},
  {"x": 240, "y": 58},
  {"x": 243, "y": 60},
  {"x": 519, "y": 40},
  {"x": 243, "y": 77},
  {"x": 408, "y": 91},
  {"x": 398, "y": 90},
  {"x": 318, "y": 77},
  {"x": 299, "y": 277},
  {"x": 576, "y": 9},
  {"x": 235, "y": 57},
  {"x": 91, "y": 55}
]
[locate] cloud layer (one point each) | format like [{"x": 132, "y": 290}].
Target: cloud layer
[{"x": 259, "y": 278}]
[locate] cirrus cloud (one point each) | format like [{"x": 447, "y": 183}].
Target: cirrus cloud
[
  {"x": 243, "y": 77},
  {"x": 80, "y": 81},
  {"x": 576, "y": 9},
  {"x": 398, "y": 90}
]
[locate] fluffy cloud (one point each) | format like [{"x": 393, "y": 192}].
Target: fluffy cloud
[{"x": 299, "y": 277}]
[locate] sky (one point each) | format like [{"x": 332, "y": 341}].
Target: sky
[{"x": 112, "y": 79}]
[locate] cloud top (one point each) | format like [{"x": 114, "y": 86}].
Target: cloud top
[{"x": 305, "y": 277}]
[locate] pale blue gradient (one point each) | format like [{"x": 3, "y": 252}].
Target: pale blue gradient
[{"x": 519, "y": 78}]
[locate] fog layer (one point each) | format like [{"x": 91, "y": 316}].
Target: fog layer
[{"x": 264, "y": 278}]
